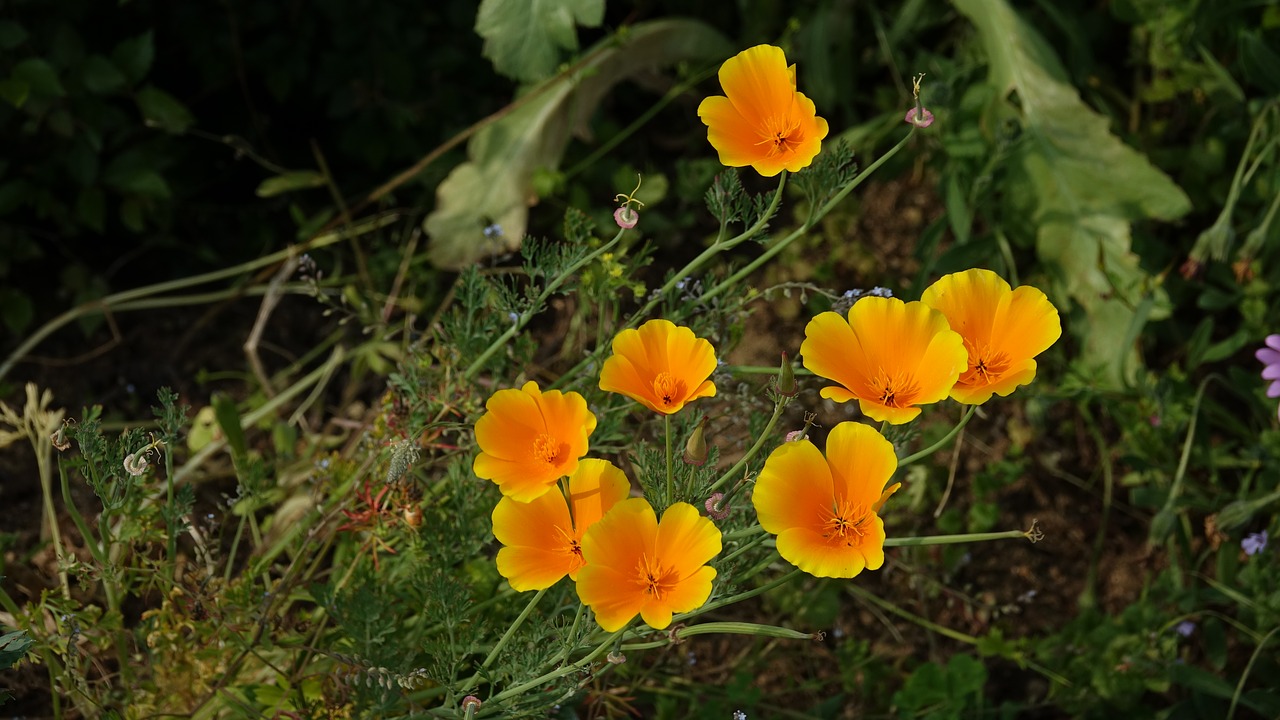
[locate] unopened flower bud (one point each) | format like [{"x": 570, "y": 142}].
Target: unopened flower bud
[
  {"x": 695, "y": 449},
  {"x": 786, "y": 383}
]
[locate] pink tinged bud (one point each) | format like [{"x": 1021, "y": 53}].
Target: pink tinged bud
[
  {"x": 626, "y": 217},
  {"x": 714, "y": 508},
  {"x": 919, "y": 116},
  {"x": 471, "y": 702},
  {"x": 795, "y": 435}
]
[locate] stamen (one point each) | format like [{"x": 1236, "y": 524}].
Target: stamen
[
  {"x": 896, "y": 390},
  {"x": 548, "y": 449},
  {"x": 669, "y": 389},
  {"x": 655, "y": 579},
  {"x": 986, "y": 365},
  {"x": 847, "y": 523}
]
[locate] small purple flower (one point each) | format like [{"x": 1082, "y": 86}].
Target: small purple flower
[
  {"x": 1270, "y": 357},
  {"x": 1185, "y": 628},
  {"x": 1254, "y": 543}
]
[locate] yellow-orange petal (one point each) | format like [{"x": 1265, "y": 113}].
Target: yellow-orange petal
[
  {"x": 690, "y": 594},
  {"x": 794, "y": 488},
  {"x": 862, "y": 461},
  {"x": 532, "y": 568},
  {"x": 610, "y": 594},
  {"x": 660, "y": 365},
  {"x": 892, "y": 356},
  {"x": 687, "y": 538},
  {"x": 815, "y": 554},
  {"x": 758, "y": 82},
  {"x": 594, "y": 489},
  {"x": 732, "y": 136},
  {"x": 530, "y": 439}
]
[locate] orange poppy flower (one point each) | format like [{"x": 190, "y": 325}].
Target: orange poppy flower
[
  {"x": 530, "y": 439},
  {"x": 1003, "y": 330},
  {"x": 661, "y": 365},
  {"x": 825, "y": 510},
  {"x": 636, "y": 565},
  {"x": 890, "y": 356},
  {"x": 761, "y": 120},
  {"x": 543, "y": 537}
]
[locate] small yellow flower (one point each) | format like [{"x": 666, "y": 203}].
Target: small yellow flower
[
  {"x": 1003, "y": 331},
  {"x": 661, "y": 365},
  {"x": 761, "y": 120},
  {"x": 890, "y": 356},
  {"x": 530, "y": 439}
]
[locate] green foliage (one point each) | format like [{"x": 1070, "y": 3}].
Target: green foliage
[
  {"x": 1082, "y": 188},
  {"x": 482, "y": 207},
  {"x": 524, "y": 39}
]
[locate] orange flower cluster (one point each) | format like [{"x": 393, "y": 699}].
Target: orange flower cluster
[
  {"x": 970, "y": 336},
  {"x": 623, "y": 559}
]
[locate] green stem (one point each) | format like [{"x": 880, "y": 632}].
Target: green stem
[
  {"x": 559, "y": 672},
  {"x": 941, "y": 443},
  {"x": 524, "y": 318},
  {"x": 732, "y": 472},
  {"x": 964, "y": 538},
  {"x": 502, "y": 641},
  {"x": 781, "y": 245},
  {"x": 723, "y": 628},
  {"x": 715, "y": 248},
  {"x": 110, "y": 302},
  {"x": 745, "y": 595},
  {"x": 667, "y": 424},
  {"x": 1235, "y": 697}
]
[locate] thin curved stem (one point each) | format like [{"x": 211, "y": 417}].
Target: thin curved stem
[{"x": 941, "y": 443}]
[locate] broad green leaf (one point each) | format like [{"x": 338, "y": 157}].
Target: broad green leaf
[
  {"x": 1087, "y": 188},
  {"x": 13, "y": 646},
  {"x": 162, "y": 110},
  {"x": 102, "y": 77},
  {"x": 39, "y": 77},
  {"x": 495, "y": 186},
  {"x": 290, "y": 181},
  {"x": 134, "y": 56},
  {"x": 228, "y": 416},
  {"x": 16, "y": 310},
  {"x": 523, "y": 38}
]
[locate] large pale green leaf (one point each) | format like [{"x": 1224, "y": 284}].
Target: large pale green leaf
[
  {"x": 496, "y": 185},
  {"x": 1088, "y": 188},
  {"x": 524, "y": 38}
]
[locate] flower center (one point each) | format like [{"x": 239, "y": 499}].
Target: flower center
[
  {"x": 655, "y": 579},
  {"x": 670, "y": 390},
  {"x": 570, "y": 545},
  {"x": 548, "y": 449},
  {"x": 847, "y": 523},
  {"x": 895, "y": 390},
  {"x": 782, "y": 134},
  {"x": 985, "y": 365}
]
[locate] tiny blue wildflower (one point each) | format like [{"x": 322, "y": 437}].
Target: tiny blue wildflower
[
  {"x": 878, "y": 291},
  {"x": 1185, "y": 628},
  {"x": 493, "y": 231},
  {"x": 513, "y": 317},
  {"x": 1254, "y": 543},
  {"x": 739, "y": 715}
]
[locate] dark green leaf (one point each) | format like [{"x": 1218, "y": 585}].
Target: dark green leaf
[
  {"x": 101, "y": 77},
  {"x": 139, "y": 181},
  {"x": 134, "y": 56},
  {"x": 17, "y": 312},
  {"x": 40, "y": 77},
  {"x": 11, "y": 35},
  {"x": 162, "y": 110},
  {"x": 91, "y": 208},
  {"x": 14, "y": 92}
]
